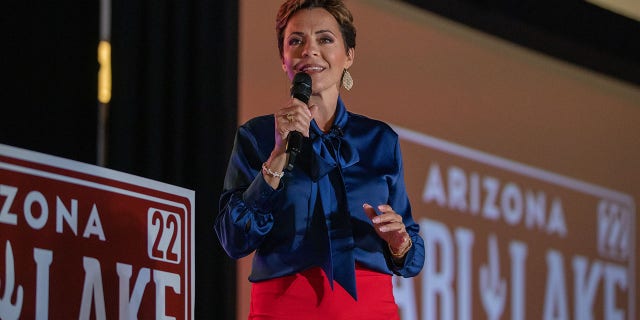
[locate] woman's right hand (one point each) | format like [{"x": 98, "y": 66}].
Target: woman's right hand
[{"x": 295, "y": 116}]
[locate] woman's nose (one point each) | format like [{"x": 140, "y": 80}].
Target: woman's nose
[{"x": 310, "y": 49}]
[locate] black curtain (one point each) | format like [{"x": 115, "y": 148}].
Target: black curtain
[
  {"x": 48, "y": 65},
  {"x": 173, "y": 115},
  {"x": 575, "y": 31}
]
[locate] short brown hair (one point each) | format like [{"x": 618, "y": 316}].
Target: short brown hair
[{"x": 335, "y": 7}]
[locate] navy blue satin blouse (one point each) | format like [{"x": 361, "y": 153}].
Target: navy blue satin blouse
[{"x": 315, "y": 217}]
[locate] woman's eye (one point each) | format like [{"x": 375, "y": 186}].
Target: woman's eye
[
  {"x": 326, "y": 40},
  {"x": 293, "y": 42}
]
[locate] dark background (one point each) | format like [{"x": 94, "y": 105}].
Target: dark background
[{"x": 174, "y": 107}]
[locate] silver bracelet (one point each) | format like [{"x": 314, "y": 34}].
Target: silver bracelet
[{"x": 272, "y": 173}]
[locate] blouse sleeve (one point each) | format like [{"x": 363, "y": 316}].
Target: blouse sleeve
[
  {"x": 399, "y": 201},
  {"x": 245, "y": 209}
]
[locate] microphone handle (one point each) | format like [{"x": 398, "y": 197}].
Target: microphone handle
[
  {"x": 301, "y": 90},
  {"x": 293, "y": 148}
]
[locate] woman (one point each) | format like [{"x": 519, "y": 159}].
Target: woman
[{"x": 322, "y": 250}]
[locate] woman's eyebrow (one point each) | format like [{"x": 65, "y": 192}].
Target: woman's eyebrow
[{"x": 324, "y": 31}]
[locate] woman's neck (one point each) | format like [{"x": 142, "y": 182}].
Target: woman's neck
[{"x": 326, "y": 110}]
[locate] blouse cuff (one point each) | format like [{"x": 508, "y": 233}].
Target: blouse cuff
[
  {"x": 406, "y": 265},
  {"x": 260, "y": 196}
]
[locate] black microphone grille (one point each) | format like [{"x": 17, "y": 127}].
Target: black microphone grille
[
  {"x": 301, "y": 87},
  {"x": 302, "y": 78}
]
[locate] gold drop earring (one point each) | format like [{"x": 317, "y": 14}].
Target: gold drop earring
[{"x": 347, "y": 81}]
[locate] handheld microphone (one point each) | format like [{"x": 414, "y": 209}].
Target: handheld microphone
[{"x": 301, "y": 90}]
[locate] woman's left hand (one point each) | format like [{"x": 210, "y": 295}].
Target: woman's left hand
[{"x": 389, "y": 226}]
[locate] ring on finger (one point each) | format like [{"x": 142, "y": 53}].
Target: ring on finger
[{"x": 289, "y": 117}]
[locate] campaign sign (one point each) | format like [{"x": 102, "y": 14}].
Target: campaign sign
[
  {"x": 505, "y": 240},
  {"x": 78, "y": 241}
]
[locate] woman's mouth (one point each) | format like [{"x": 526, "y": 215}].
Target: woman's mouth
[{"x": 311, "y": 69}]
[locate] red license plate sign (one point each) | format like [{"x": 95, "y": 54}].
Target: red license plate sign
[{"x": 79, "y": 241}]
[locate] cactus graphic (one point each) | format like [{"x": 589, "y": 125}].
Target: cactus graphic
[
  {"x": 8, "y": 310},
  {"x": 493, "y": 288}
]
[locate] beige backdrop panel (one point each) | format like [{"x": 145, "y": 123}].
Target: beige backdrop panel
[{"x": 496, "y": 111}]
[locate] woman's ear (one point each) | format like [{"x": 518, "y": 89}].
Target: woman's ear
[{"x": 350, "y": 56}]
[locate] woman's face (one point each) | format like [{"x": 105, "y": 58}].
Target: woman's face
[{"x": 314, "y": 44}]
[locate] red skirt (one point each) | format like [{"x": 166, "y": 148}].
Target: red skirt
[{"x": 308, "y": 295}]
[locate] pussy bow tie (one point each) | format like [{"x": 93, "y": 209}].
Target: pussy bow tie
[{"x": 330, "y": 149}]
